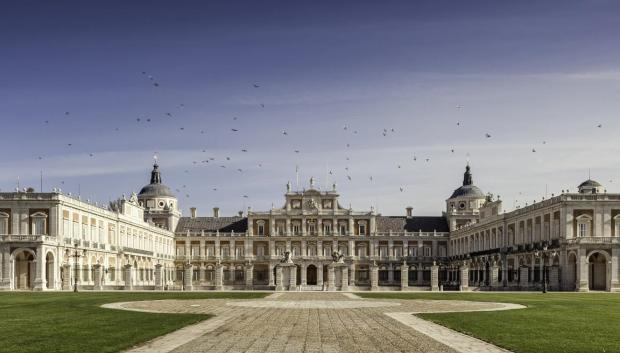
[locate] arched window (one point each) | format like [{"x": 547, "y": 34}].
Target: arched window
[{"x": 38, "y": 224}]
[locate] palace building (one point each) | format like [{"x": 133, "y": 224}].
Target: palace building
[{"x": 55, "y": 241}]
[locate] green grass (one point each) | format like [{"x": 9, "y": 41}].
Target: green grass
[
  {"x": 75, "y": 322},
  {"x": 552, "y": 322}
]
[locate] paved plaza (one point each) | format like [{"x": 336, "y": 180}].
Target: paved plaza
[{"x": 314, "y": 322}]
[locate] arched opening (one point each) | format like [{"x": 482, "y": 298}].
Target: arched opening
[
  {"x": 49, "y": 270},
  {"x": 598, "y": 271},
  {"x": 571, "y": 272},
  {"x": 311, "y": 277},
  {"x": 24, "y": 270},
  {"x": 298, "y": 276}
]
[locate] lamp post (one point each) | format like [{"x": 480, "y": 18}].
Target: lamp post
[
  {"x": 543, "y": 255},
  {"x": 76, "y": 255}
]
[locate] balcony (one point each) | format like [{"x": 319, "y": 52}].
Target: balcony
[
  {"x": 27, "y": 238},
  {"x": 594, "y": 240},
  {"x": 137, "y": 251}
]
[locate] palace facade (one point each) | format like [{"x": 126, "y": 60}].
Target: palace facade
[{"x": 55, "y": 241}]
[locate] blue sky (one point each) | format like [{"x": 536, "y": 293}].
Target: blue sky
[{"x": 442, "y": 74}]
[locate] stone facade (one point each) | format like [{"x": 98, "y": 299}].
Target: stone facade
[
  {"x": 311, "y": 243},
  {"x": 54, "y": 241}
]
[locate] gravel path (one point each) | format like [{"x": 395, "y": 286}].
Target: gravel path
[{"x": 313, "y": 322}]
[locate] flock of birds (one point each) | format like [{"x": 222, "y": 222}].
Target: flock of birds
[{"x": 223, "y": 162}]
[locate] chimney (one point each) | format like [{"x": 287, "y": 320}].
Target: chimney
[
  {"x": 216, "y": 212},
  {"x": 193, "y": 211},
  {"x": 409, "y": 212},
  {"x": 240, "y": 213}
]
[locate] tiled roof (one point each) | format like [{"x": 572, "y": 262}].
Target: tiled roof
[
  {"x": 212, "y": 224},
  {"x": 412, "y": 224}
]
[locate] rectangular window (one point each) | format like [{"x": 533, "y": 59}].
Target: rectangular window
[
  {"x": 362, "y": 229},
  {"x": 296, "y": 229},
  {"x": 583, "y": 229},
  {"x": 327, "y": 229},
  {"x": 312, "y": 229},
  {"x": 261, "y": 229},
  {"x": 38, "y": 226},
  {"x": 327, "y": 250},
  {"x": 427, "y": 251},
  {"x": 343, "y": 229},
  {"x": 4, "y": 225}
]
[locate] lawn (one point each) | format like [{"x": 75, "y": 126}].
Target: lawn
[
  {"x": 552, "y": 322},
  {"x": 75, "y": 322}
]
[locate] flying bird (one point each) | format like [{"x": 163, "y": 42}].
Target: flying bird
[
  {"x": 487, "y": 135},
  {"x": 255, "y": 85}
]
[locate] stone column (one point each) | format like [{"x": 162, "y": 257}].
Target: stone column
[
  {"x": 319, "y": 275},
  {"x": 494, "y": 275},
  {"x": 188, "y": 284},
  {"x": 352, "y": 274},
  {"x": 304, "y": 279},
  {"x": 345, "y": 278},
  {"x": 615, "y": 269},
  {"x": 279, "y": 283},
  {"x": 374, "y": 277},
  {"x": 97, "y": 275},
  {"x": 435, "y": 278},
  {"x": 554, "y": 278},
  {"x": 39, "y": 279},
  {"x": 219, "y": 276},
  {"x": 270, "y": 276},
  {"x": 66, "y": 277},
  {"x": 6, "y": 267},
  {"x": 292, "y": 278},
  {"x": 420, "y": 269},
  {"x": 202, "y": 274},
  {"x": 523, "y": 277},
  {"x": 331, "y": 278},
  {"x": 159, "y": 277},
  {"x": 404, "y": 276},
  {"x": 249, "y": 277},
  {"x": 128, "y": 277},
  {"x": 464, "y": 269},
  {"x": 391, "y": 274},
  {"x": 272, "y": 249}
]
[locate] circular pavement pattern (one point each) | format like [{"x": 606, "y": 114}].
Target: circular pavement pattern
[{"x": 312, "y": 304}]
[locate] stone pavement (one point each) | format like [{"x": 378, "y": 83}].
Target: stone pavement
[{"x": 314, "y": 322}]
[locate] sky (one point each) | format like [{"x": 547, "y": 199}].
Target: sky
[{"x": 396, "y": 95}]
